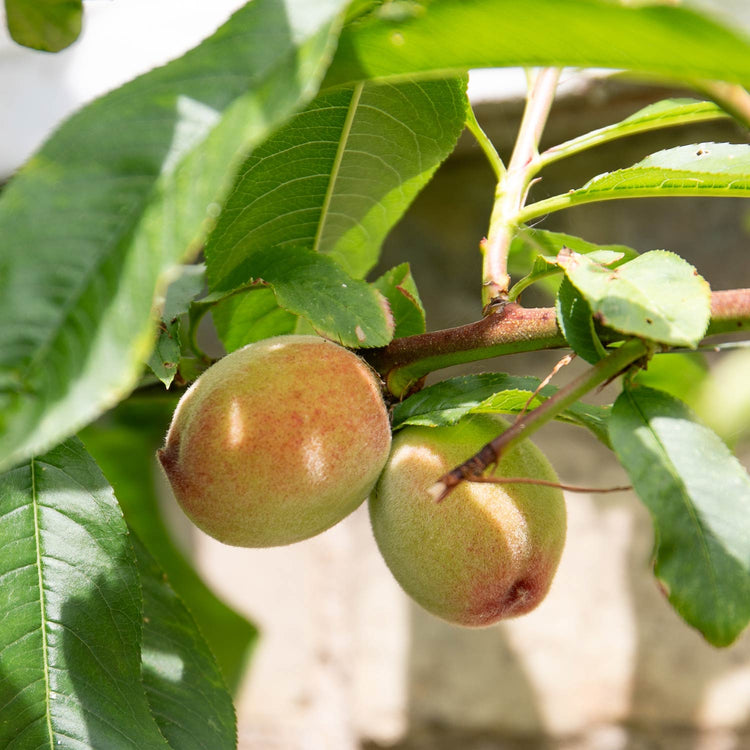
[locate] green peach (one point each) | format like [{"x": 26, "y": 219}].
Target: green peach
[
  {"x": 277, "y": 441},
  {"x": 487, "y": 551}
]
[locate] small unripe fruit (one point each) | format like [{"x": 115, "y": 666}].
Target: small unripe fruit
[
  {"x": 277, "y": 441},
  {"x": 485, "y": 552}
]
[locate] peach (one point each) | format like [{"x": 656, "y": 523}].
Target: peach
[
  {"x": 277, "y": 441},
  {"x": 487, "y": 551}
]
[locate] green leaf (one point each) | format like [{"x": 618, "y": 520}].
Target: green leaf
[
  {"x": 248, "y": 316},
  {"x": 658, "y": 296},
  {"x": 398, "y": 287},
  {"x": 697, "y": 169},
  {"x": 533, "y": 253},
  {"x": 182, "y": 291},
  {"x": 314, "y": 286},
  {"x": 701, "y": 169},
  {"x": 47, "y": 25},
  {"x": 119, "y": 195},
  {"x": 454, "y": 35},
  {"x": 184, "y": 688},
  {"x": 165, "y": 358},
  {"x": 664, "y": 114},
  {"x": 550, "y": 243},
  {"x": 698, "y": 495},
  {"x": 124, "y": 444},
  {"x": 446, "y": 402},
  {"x": 70, "y": 634},
  {"x": 576, "y": 322},
  {"x": 337, "y": 177}
]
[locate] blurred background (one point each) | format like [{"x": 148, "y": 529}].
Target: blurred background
[{"x": 344, "y": 660}]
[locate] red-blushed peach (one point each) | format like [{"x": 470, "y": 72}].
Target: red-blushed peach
[
  {"x": 277, "y": 441},
  {"x": 485, "y": 552}
]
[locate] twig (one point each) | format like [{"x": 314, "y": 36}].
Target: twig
[
  {"x": 548, "y": 483},
  {"x": 619, "y": 360}
]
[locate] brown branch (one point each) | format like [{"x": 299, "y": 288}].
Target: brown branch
[{"x": 508, "y": 330}]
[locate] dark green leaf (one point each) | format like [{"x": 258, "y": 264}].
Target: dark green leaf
[
  {"x": 445, "y": 403},
  {"x": 47, "y": 25},
  {"x": 314, "y": 286},
  {"x": 119, "y": 195},
  {"x": 398, "y": 287},
  {"x": 165, "y": 358},
  {"x": 184, "y": 688},
  {"x": 657, "y": 296},
  {"x": 698, "y": 495},
  {"x": 124, "y": 444},
  {"x": 337, "y": 177},
  {"x": 70, "y": 633},
  {"x": 454, "y": 35},
  {"x": 577, "y": 324},
  {"x": 248, "y": 316}
]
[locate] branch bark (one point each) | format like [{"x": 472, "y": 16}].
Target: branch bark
[{"x": 508, "y": 330}]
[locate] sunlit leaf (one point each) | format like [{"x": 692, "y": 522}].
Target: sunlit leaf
[
  {"x": 454, "y": 35},
  {"x": 184, "y": 688},
  {"x": 398, "y": 287},
  {"x": 70, "y": 631},
  {"x": 337, "y": 176},
  {"x": 118, "y": 196},
  {"x": 658, "y": 296},
  {"x": 124, "y": 444},
  {"x": 698, "y": 495}
]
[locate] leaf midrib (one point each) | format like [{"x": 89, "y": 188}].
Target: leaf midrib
[
  {"x": 42, "y": 604},
  {"x": 337, "y": 161}
]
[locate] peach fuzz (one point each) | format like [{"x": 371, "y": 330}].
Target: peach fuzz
[
  {"x": 487, "y": 551},
  {"x": 277, "y": 441}
]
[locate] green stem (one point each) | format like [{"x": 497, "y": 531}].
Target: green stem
[
  {"x": 485, "y": 144},
  {"x": 609, "y": 367},
  {"x": 513, "y": 186}
]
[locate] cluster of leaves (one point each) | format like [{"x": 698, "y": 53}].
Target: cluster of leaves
[{"x": 286, "y": 146}]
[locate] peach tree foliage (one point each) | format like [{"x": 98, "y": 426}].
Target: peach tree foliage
[{"x": 280, "y": 152}]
